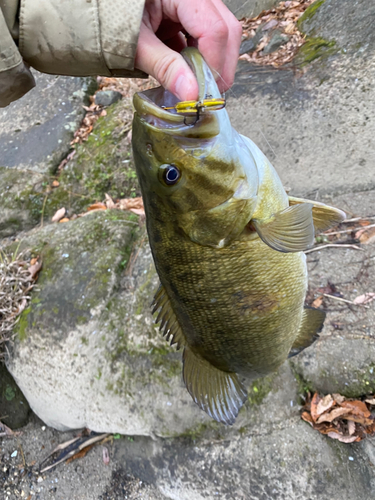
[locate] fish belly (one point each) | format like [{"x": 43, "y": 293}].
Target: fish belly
[{"x": 239, "y": 307}]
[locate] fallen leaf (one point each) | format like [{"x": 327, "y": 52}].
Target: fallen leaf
[
  {"x": 65, "y": 219},
  {"x": 138, "y": 211},
  {"x": 370, "y": 401},
  {"x": 343, "y": 439},
  {"x": 35, "y": 268},
  {"x": 366, "y": 236},
  {"x": 289, "y": 28},
  {"x": 55, "y": 184},
  {"x": 351, "y": 427},
  {"x": 325, "y": 404},
  {"x": 109, "y": 202},
  {"x": 338, "y": 398},
  {"x": 105, "y": 455},
  {"x": 97, "y": 206},
  {"x": 271, "y": 24},
  {"x": 314, "y": 406},
  {"x": 365, "y": 298},
  {"x": 59, "y": 214},
  {"x": 357, "y": 408},
  {"x": 317, "y": 302},
  {"x": 329, "y": 417}
]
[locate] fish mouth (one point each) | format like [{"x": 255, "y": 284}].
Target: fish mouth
[{"x": 150, "y": 104}]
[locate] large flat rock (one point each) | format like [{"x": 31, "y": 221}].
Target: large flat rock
[{"x": 36, "y": 130}]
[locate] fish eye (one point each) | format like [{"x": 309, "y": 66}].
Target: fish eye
[{"x": 171, "y": 174}]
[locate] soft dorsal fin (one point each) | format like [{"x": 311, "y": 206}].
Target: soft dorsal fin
[
  {"x": 311, "y": 326},
  {"x": 218, "y": 393},
  {"x": 169, "y": 325},
  {"x": 290, "y": 230},
  {"x": 323, "y": 215}
]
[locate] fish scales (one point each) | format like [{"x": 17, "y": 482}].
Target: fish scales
[{"x": 227, "y": 243}]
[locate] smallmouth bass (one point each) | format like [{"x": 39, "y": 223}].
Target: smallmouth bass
[{"x": 227, "y": 242}]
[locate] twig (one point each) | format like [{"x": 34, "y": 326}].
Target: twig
[
  {"x": 351, "y": 230},
  {"x": 334, "y": 245},
  {"x": 43, "y": 207},
  {"x": 356, "y": 219},
  {"x": 343, "y": 300}
]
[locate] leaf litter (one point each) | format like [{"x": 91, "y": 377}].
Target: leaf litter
[
  {"x": 17, "y": 278},
  {"x": 280, "y": 20},
  {"x": 347, "y": 420}
]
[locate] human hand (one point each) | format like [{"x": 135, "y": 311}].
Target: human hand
[{"x": 213, "y": 29}]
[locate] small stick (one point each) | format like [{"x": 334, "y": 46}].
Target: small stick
[
  {"x": 343, "y": 300},
  {"x": 356, "y": 219},
  {"x": 333, "y": 245},
  {"x": 351, "y": 230}
]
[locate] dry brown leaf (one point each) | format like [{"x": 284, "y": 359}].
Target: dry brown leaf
[
  {"x": 329, "y": 417},
  {"x": 338, "y": 398},
  {"x": 65, "y": 219},
  {"x": 289, "y": 28},
  {"x": 325, "y": 404},
  {"x": 370, "y": 401},
  {"x": 105, "y": 455},
  {"x": 357, "y": 408},
  {"x": 109, "y": 202},
  {"x": 314, "y": 406},
  {"x": 317, "y": 302},
  {"x": 138, "y": 211},
  {"x": 128, "y": 203},
  {"x": 97, "y": 206},
  {"x": 271, "y": 24},
  {"x": 366, "y": 236},
  {"x": 343, "y": 439},
  {"x": 59, "y": 214},
  {"x": 35, "y": 267},
  {"x": 351, "y": 427},
  {"x": 55, "y": 184},
  {"x": 365, "y": 298}
]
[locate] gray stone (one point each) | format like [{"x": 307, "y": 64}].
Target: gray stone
[
  {"x": 247, "y": 46},
  {"x": 14, "y": 409},
  {"x": 249, "y": 8},
  {"x": 36, "y": 130},
  {"x": 107, "y": 97},
  {"x": 87, "y": 353},
  {"x": 277, "y": 39}
]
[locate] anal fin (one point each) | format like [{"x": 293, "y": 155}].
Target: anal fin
[
  {"x": 323, "y": 215},
  {"x": 169, "y": 325},
  {"x": 290, "y": 230},
  {"x": 311, "y": 326},
  {"x": 220, "y": 394}
]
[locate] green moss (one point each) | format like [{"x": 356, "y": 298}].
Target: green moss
[
  {"x": 363, "y": 383},
  {"x": 309, "y": 13},
  {"x": 22, "y": 325},
  {"x": 10, "y": 393},
  {"x": 315, "y": 48},
  {"x": 260, "y": 388}
]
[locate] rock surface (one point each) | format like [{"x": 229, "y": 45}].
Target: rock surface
[
  {"x": 249, "y": 8},
  {"x": 107, "y": 97},
  {"x": 88, "y": 353}
]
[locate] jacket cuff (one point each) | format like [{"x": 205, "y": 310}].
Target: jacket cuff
[{"x": 80, "y": 37}]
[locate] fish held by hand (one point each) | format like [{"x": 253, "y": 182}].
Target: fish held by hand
[{"x": 227, "y": 242}]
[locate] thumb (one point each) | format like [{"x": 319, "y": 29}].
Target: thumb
[{"x": 166, "y": 65}]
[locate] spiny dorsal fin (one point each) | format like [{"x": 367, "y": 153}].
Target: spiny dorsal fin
[
  {"x": 311, "y": 326},
  {"x": 218, "y": 393},
  {"x": 169, "y": 325},
  {"x": 323, "y": 215},
  {"x": 290, "y": 230}
]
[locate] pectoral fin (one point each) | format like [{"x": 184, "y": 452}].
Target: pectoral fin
[
  {"x": 169, "y": 325},
  {"x": 311, "y": 326},
  {"x": 218, "y": 393},
  {"x": 290, "y": 230},
  {"x": 323, "y": 215}
]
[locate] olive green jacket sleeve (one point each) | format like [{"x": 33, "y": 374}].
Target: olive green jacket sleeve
[{"x": 66, "y": 37}]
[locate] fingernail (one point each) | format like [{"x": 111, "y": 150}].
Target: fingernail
[{"x": 185, "y": 89}]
